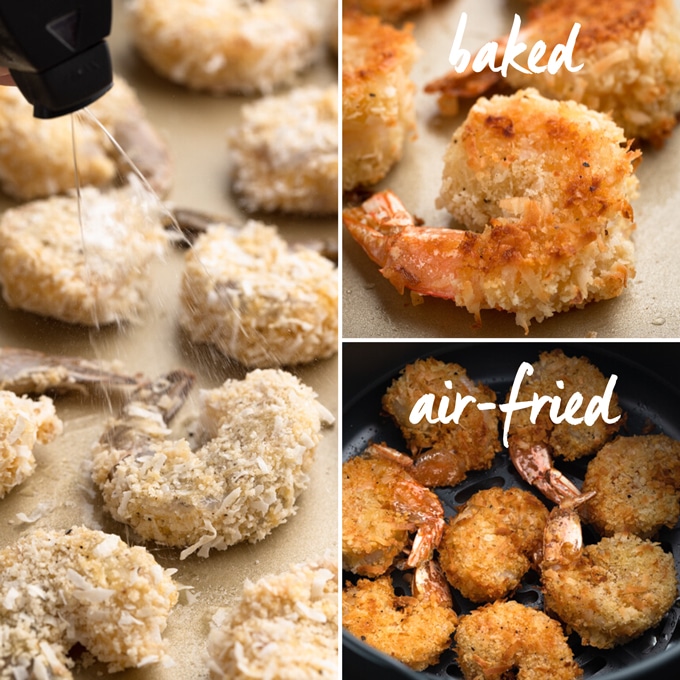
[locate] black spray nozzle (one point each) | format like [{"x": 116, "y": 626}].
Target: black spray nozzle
[{"x": 56, "y": 52}]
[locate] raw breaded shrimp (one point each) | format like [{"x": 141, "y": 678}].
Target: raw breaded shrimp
[
  {"x": 378, "y": 112},
  {"x": 444, "y": 452},
  {"x": 285, "y": 152},
  {"x": 259, "y": 300},
  {"x": 381, "y": 505},
  {"x": 630, "y": 53},
  {"x": 507, "y": 639},
  {"x": 609, "y": 592},
  {"x": 491, "y": 542},
  {"x": 62, "y": 588},
  {"x": 36, "y": 155},
  {"x": 255, "y": 442},
  {"x": 414, "y": 629},
  {"x": 636, "y": 481},
  {"x": 283, "y": 627},
  {"x": 24, "y": 422},
  {"x": 390, "y": 10},
  {"x": 229, "y": 45},
  {"x": 94, "y": 276}
]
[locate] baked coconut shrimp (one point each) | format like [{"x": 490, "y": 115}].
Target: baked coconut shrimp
[
  {"x": 609, "y": 592},
  {"x": 443, "y": 452},
  {"x": 630, "y": 55},
  {"x": 62, "y": 588},
  {"x": 24, "y": 423},
  {"x": 507, "y": 639},
  {"x": 636, "y": 481},
  {"x": 259, "y": 300},
  {"x": 413, "y": 629},
  {"x": 229, "y": 46},
  {"x": 255, "y": 441},
  {"x": 285, "y": 152},
  {"x": 382, "y": 504},
  {"x": 390, "y": 10},
  {"x": 491, "y": 542},
  {"x": 36, "y": 155},
  {"x": 284, "y": 627},
  {"x": 378, "y": 112}
]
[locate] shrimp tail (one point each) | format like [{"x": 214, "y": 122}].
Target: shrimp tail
[{"x": 166, "y": 394}]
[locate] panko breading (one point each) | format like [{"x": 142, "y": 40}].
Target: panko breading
[
  {"x": 284, "y": 627},
  {"x": 378, "y": 113},
  {"x": 285, "y": 152},
  {"x": 506, "y": 638},
  {"x": 636, "y": 481},
  {"x": 62, "y": 588},
  {"x": 92, "y": 276},
  {"x": 229, "y": 45},
  {"x": 490, "y": 544},
  {"x": 24, "y": 422},
  {"x": 259, "y": 300},
  {"x": 443, "y": 452}
]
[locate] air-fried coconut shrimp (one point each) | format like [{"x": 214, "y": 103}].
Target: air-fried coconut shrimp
[
  {"x": 229, "y": 45},
  {"x": 444, "y": 452},
  {"x": 381, "y": 505},
  {"x": 492, "y": 541},
  {"x": 23, "y": 423},
  {"x": 390, "y": 10},
  {"x": 610, "y": 592},
  {"x": 259, "y": 300},
  {"x": 414, "y": 629},
  {"x": 507, "y": 639},
  {"x": 255, "y": 442},
  {"x": 285, "y": 152},
  {"x": 284, "y": 627},
  {"x": 636, "y": 481},
  {"x": 62, "y": 588},
  {"x": 36, "y": 155},
  {"x": 94, "y": 276},
  {"x": 378, "y": 113},
  {"x": 631, "y": 63}
]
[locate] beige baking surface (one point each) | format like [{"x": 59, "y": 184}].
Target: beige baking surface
[
  {"x": 61, "y": 491},
  {"x": 649, "y": 307}
]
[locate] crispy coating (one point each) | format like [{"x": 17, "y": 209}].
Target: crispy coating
[
  {"x": 59, "y": 589},
  {"x": 636, "y": 481},
  {"x": 490, "y": 544},
  {"x": 390, "y": 10},
  {"x": 444, "y": 452},
  {"x": 577, "y": 374},
  {"x": 378, "y": 113},
  {"x": 285, "y": 152},
  {"x": 507, "y": 639}
]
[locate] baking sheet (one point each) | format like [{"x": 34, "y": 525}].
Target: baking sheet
[
  {"x": 60, "y": 493},
  {"x": 648, "y": 308}
]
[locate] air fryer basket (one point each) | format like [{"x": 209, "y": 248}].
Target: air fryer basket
[{"x": 650, "y": 400}]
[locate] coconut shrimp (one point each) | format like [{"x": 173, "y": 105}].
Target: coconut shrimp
[
  {"x": 507, "y": 639},
  {"x": 491, "y": 542},
  {"x": 609, "y": 592},
  {"x": 255, "y": 441},
  {"x": 62, "y": 588},
  {"x": 36, "y": 155},
  {"x": 378, "y": 111},
  {"x": 390, "y": 10},
  {"x": 381, "y": 505},
  {"x": 414, "y": 629},
  {"x": 229, "y": 46},
  {"x": 444, "y": 452},
  {"x": 630, "y": 55}
]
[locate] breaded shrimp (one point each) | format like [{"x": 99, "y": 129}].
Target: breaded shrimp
[
  {"x": 381, "y": 505},
  {"x": 390, "y": 10},
  {"x": 443, "y": 452},
  {"x": 492, "y": 541},
  {"x": 507, "y": 639},
  {"x": 414, "y": 629},
  {"x": 636, "y": 481},
  {"x": 62, "y": 588},
  {"x": 378, "y": 113},
  {"x": 630, "y": 52}
]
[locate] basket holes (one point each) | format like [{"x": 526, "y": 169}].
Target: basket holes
[
  {"x": 453, "y": 671},
  {"x": 465, "y": 494},
  {"x": 528, "y": 598}
]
